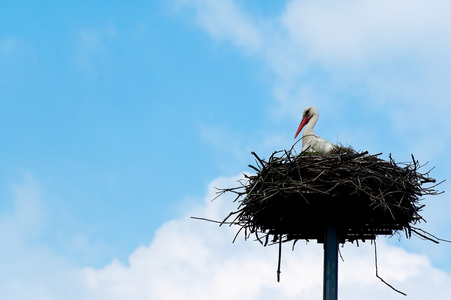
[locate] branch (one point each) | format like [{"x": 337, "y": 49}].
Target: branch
[{"x": 377, "y": 275}]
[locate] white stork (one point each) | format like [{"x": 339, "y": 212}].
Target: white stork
[{"x": 310, "y": 141}]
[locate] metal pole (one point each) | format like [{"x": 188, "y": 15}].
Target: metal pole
[{"x": 330, "y": 284}]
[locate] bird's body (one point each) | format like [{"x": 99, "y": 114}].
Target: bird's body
[{"x": 310, "y": 141}]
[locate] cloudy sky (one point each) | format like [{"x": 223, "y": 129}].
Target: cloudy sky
[{"x": 118, "y": 119}]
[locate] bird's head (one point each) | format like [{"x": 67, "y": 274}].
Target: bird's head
[{"x": 307, "y": 114}]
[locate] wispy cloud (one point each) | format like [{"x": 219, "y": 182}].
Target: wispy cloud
[
  {"x": 358, "y": 62},
  {"x": 29, "y": 269},
  {"x": 225, "y": 20},
  {"x": 352, "y": 33}
]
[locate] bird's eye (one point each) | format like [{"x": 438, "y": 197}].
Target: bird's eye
[{"x": 307, "y": 112}]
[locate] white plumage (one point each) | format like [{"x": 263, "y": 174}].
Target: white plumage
[{"x": 310, "y": 141}]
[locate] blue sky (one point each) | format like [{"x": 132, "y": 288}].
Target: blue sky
[{"x": 117, "y": 118}]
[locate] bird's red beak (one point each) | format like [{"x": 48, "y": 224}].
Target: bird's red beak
[{"x": 303, "y": 122}]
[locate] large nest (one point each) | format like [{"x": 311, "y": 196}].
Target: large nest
[{"x": 294, "y": 197}]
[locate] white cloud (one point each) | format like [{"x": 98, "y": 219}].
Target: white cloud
[
  {"x": 27, "y": 218},
  {"x": 28, "y": 268},
  {"x": 191, "y": 259},
  {"x": 224, "y": 20},
  {"x": 394, "y": 54},
  {"x": 385, "y": 60},
  {"x": 355, "y": 32}
]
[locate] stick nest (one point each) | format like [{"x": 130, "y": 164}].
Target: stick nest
[{"x": 294, "y": 197}]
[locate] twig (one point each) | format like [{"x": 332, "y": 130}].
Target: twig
[
  {"x": 428, "y": 236},
  {"x": 377, "y": 274},
  {"x": 209, "y": 220}
]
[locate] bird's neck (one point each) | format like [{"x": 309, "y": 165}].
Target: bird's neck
[{"x": 308, "y": 129}]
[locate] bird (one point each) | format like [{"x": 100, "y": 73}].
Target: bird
[{"x": 310, "y": 141}]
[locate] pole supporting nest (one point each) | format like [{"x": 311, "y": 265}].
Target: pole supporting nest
[{"x": 330, "y": 282}]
